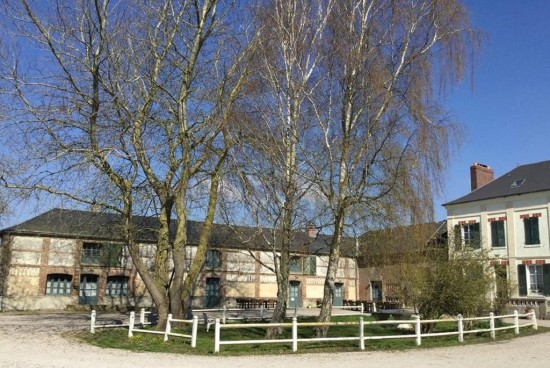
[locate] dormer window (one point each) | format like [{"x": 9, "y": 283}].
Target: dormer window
[{"x": 517, "y": 183}]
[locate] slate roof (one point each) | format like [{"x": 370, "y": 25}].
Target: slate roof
[
  {"x": 537, "y": 179},
  {"x": 101, "y": 226},
  {"x": 402, "y": 240}
]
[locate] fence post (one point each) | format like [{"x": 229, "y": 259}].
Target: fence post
[
  {"x": 534, "y": 320},
  {"x": 261, "y": 312},
  {"x": 217, "y": 336},
  {"x": 460, "y": 328},
  {"x": 194, "y": 331},
  {"x": 294, "y": 333},
  {"x": 295, "y": 311},
  {"x": 361, "y": 333},
  {"x": 92, "y": 322},
  {"x": 142, "y": 316},
  {"x": 516, "y": 322},
  {"x": 374, "y": 307},
  {"x": 492, "y": 324},
  {"x": 418, "y": 331},
  {"x": 362, "y": 309},
  {"x": 224, "y": 314},
  {"x": 131, "y": 324},
  {"x": 168, "y": 327}
]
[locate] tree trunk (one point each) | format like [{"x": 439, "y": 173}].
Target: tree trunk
[
  {"x": 330, "y": 278},
  {"x": 279, "y": 313}
]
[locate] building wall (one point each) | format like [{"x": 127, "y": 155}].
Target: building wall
[
  {"x": 32, "y": 259},
  {"x": 512, "y": 210}
]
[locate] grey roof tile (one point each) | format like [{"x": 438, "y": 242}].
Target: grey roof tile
[
  {"x": 537, "y": 179},
  {"x": 106, "y": 227}
]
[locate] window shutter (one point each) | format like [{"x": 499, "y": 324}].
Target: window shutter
[
  {"x": 522, "y": 280},
  {"x": 535, "y": 230},
  {"x": 546, "y": 279},
  {"x": 476, "y": 236},
  {"x": 527, "y": 230}
]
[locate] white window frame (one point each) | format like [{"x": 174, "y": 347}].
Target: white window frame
[{"x": 534, "y": 272}]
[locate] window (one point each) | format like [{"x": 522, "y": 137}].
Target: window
[
  {"x": 91, "y": 253},
  {"x": 213, "y": 259},
  {"x": 471, "y": 235},
  {"x": 498, "y": 237},
  {"x": 304, "y": 265},
  {"x": 534, "y": 279},
  {"x": 117, "y": 286},
  {"x": 467, "y": 235},
  {"x": 295, "y": 265},
  {"x": 58, "y": 284},
  {"x": 517, "y": 183},
  {"x": 310, "y": 265},
  {"x": 531, "y": 227},
  {"x": 108, "y": 255},
  {"x": 536, "y": 285}
]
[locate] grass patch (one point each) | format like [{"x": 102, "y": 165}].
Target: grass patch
[{"x": 142, "y": 342}]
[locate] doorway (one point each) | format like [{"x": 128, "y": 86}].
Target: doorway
[
  {"x": 338, "y": 299},
  {"x": 294, "y": 294},
  {"x": 376, "y": 291},
  {"x": 212, "y": 292},
  {"x": 88, "y": 290}
]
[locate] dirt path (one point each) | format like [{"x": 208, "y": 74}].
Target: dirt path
[{"x": 33, "y": 341}]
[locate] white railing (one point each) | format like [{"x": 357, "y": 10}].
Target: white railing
[
  {"x": 94, "y": 324},
  {"x": 418, "y": 335},
  {"x": 142, "y": 314},
  {"x": 168, "y": 330}
]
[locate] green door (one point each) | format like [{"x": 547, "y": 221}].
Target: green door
[
  {"x": 88, "y": 290},
  {"x": 294, "y": 294},
  {"x": 338, "y": 299},
  {"x": 212, "y": 292}
]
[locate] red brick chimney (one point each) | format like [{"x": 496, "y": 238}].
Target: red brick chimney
[
  {"x": 480, "y": 175},
  {"x": 312, "y": 230}
]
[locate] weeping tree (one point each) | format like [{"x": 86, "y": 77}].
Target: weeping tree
[
  {"x": 127, "y": 107},
  {"x": 383, "y": 134}
]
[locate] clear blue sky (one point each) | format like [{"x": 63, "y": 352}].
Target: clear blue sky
[{"x": 507, "y": 114}]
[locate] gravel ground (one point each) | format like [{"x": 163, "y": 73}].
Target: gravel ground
[{"x": 29, "y": 341}]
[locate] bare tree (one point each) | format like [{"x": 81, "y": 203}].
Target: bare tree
[
  {"x": 291, "y": 34},
  {"x": 383, "y": 134},
  {"x": 130, "y": 109}
]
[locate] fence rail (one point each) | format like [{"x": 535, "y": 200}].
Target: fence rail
[
  {"x": 361, "y": 338},
  {"x": 95, "y": 324},
  {"x": 168, "y": 330}
]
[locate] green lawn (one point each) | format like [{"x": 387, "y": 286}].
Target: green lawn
[{"x": 118, "y": 338}]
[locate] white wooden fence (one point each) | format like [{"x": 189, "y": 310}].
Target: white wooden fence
[
  {"x": 94, "y": 322},
  {"x": 360, "y": 337},
  {"x": 168, "y": 330}
]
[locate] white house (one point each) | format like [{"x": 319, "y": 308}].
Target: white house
[{"x": 508, "y": 217}]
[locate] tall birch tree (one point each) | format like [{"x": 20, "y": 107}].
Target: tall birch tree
[{"x": 291, "y": 34}]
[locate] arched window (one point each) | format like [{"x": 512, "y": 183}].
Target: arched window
[
  {"x": 58, "y": 284},
  {"x": 117, "y": 286}
]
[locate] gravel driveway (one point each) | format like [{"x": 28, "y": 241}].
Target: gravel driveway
[{"x": 28, "y": 341}]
